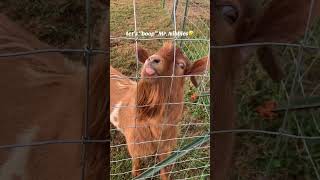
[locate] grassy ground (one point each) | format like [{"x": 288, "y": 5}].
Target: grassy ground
[
  {"x": 60, "y": 23},
  {"x": 151, "y": 17},
  {"x": 279, "y": 158}
]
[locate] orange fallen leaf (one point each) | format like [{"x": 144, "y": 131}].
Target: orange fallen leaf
[
  {"x": 266, "y": 109},
  {"x": 194, "y": 97}
]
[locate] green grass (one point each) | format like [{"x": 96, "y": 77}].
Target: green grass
[
  {"x": 151, "y": 17},
  {"x": 197, "y": 142}
]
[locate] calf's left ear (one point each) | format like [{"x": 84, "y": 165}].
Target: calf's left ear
[
  {"x": 142, "y": 54},
  {"x": 197, "y": 68}
]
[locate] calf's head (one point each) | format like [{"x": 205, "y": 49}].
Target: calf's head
[{"x": 169, "y": 61}]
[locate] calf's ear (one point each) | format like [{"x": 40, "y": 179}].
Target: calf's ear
[
  {"x": 197, "y": 68},
  {"x": 142, "y": 54}
]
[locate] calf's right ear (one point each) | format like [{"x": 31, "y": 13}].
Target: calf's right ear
[
  {"x": 142, "y": 54},
  {"x": 198, "y": 68}
]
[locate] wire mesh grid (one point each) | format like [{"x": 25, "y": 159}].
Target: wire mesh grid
[
  {"x": 162, "y": 16},
  {"x": 88, "y": 51},
  {"x": 287, "y": 145}
]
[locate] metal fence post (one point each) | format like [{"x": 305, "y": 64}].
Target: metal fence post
[
  {"x": 174, "y": 9},
  {"x": 163, "y": 3},
  {"x": 184, "y": 18}
]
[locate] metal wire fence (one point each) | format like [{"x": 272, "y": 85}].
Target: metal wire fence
[
  {"x": 169, "y": 16},
  {"x": 286, "y": 146},
  {"x": 88, "y": 51}
]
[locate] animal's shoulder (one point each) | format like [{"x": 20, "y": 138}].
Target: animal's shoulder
[{"x": 120, "y": 80}]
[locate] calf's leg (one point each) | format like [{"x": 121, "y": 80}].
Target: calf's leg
[
  {"x": 164, "y": 172},
  {"x": 136, "y": 167}
]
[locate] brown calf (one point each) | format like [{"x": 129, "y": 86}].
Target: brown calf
[
  {"x": 148, "y": 125},
  {"x": 235, "y": 22},
  {"x": 42, "y": 99}
]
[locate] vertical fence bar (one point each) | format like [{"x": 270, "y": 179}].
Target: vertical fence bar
[
  {"x": 87, "y": 56},
  {"x": 163, "y": 3},
  {"x": 184, "y": 18},
  {"x": 166, "y": 112},
  {"x": 174, "y": 10}
]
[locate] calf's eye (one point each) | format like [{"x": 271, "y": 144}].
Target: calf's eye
[{"x": 181, "y": 65}]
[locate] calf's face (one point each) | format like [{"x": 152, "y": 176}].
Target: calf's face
[{"x": 169, "y": 61}]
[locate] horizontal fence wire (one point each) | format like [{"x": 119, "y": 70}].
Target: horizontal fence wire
[
  {"x": 41, "y": 51},
  {"x": 161, "y": 140},
  {"x": 41, "y": 143},
  {"x": 157, "y": 77},
  {"x": 257, "y": 44},
  {"x": 275, "y": 133},
  {"x": 173, "y": 125},
  {"x": 198, "y": 148},
  {"x": 178, "y": 162},
  {"x": 152, "y": 39},
  {"x": 196, "y": 177}
]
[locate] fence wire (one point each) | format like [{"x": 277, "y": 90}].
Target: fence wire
[
  {"x": 171, "y": 16},
  {"x": 87, "y": 52},
  {"x": 292, "y": 150}
]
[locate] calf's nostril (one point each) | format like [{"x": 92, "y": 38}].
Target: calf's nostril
[{"x": 230, "y": 13}]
